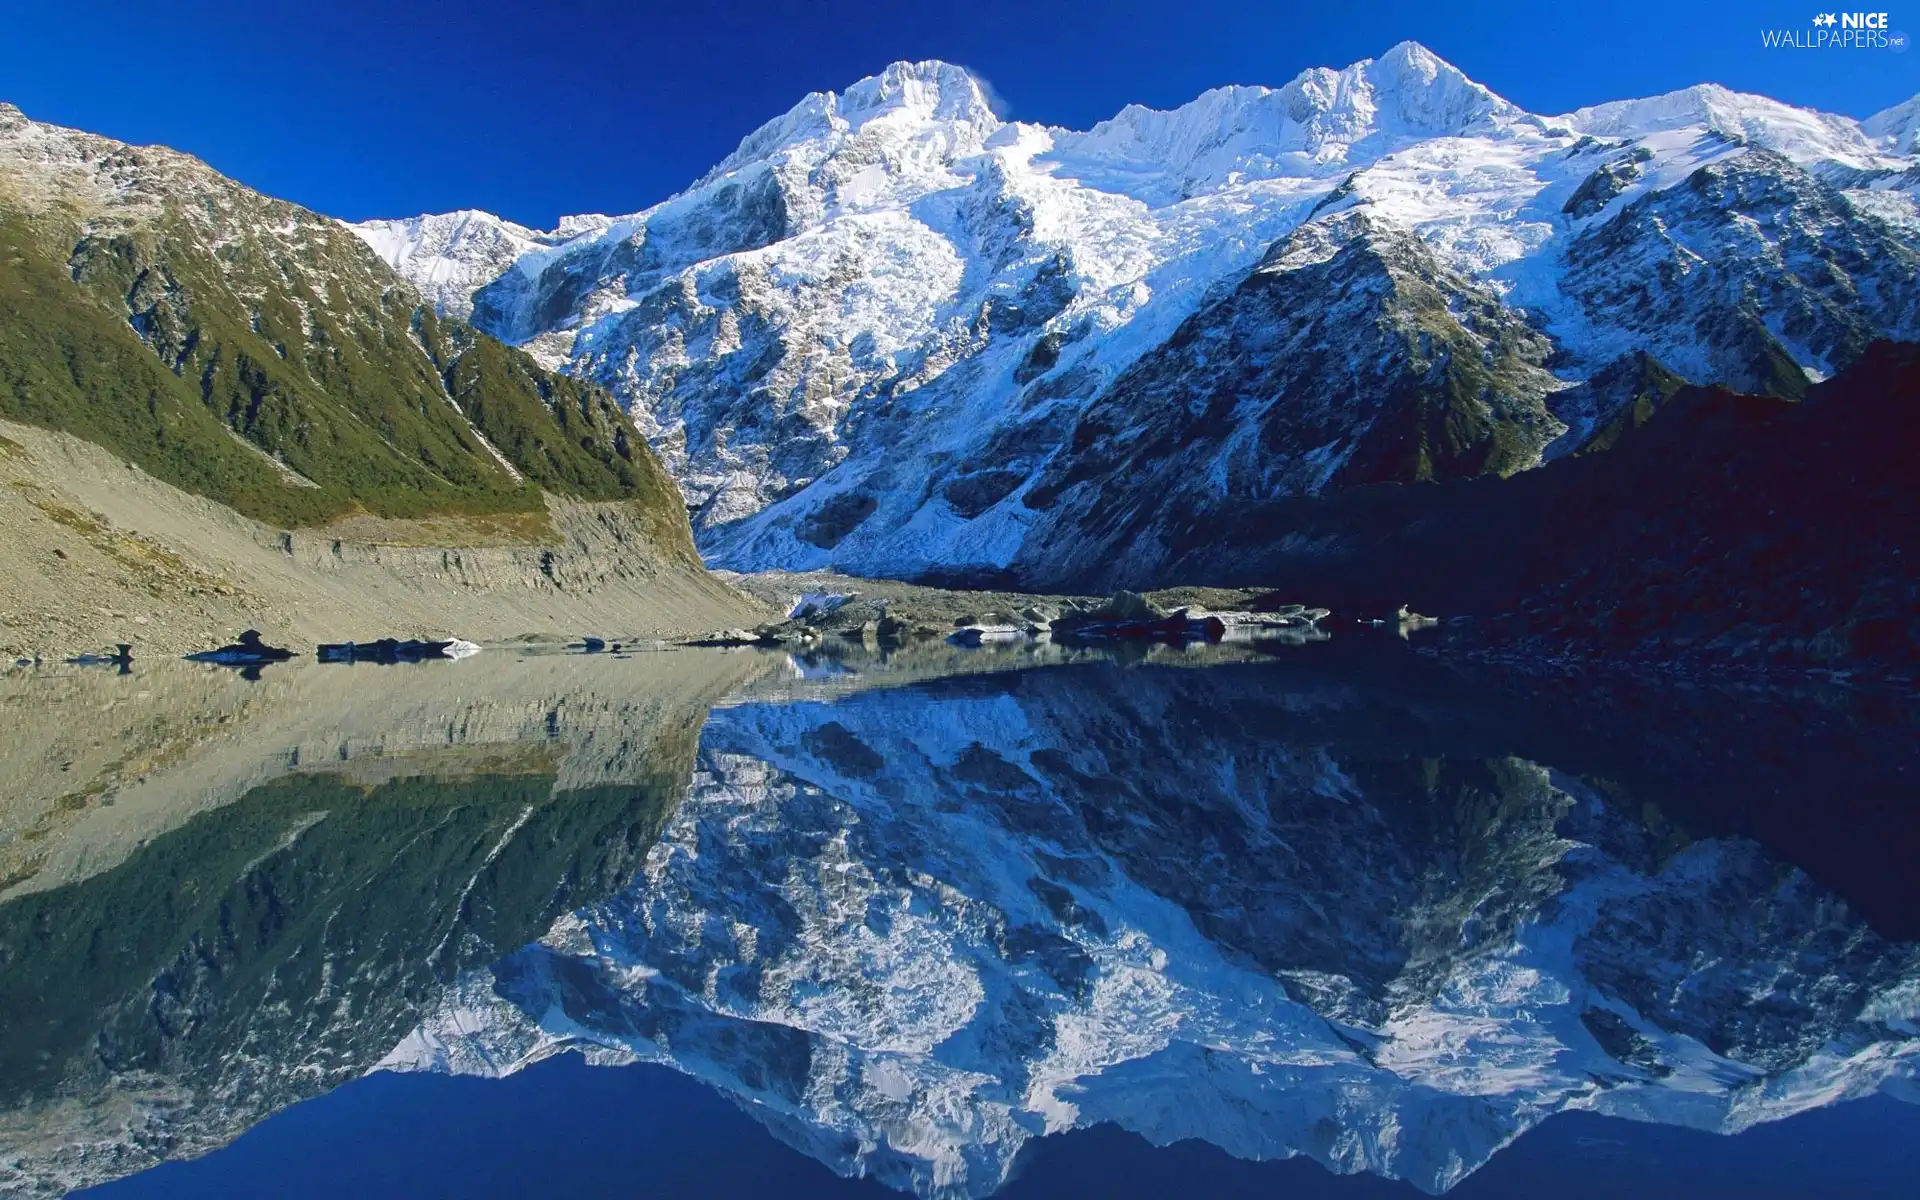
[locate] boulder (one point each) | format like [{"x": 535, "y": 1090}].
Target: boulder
[{"x": 1130, "y": 606}]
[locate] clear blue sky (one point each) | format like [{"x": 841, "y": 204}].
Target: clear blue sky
[{"x": 365, "y": 108}]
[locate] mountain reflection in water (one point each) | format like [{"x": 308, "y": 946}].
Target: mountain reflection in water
[{"x": 1339, "y": 904}]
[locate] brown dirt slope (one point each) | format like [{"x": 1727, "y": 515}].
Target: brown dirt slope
[{"x": 94, "y": 551}]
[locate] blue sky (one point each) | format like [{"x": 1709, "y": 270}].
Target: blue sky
[{"x": 361, "y": 108}]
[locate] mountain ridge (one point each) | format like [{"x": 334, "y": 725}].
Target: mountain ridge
[
  {"x": 287, "y": 371},
  {"x": 884, "y": 332},
  {"x": 862, "y": 339},
  {"x": 1710, "y": 105}
]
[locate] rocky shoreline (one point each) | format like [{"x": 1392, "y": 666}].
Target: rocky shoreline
[{"x": 822, "y": 607}]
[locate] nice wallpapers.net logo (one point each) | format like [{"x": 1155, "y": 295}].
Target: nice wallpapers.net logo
[{"x": 1838, "y": 31}]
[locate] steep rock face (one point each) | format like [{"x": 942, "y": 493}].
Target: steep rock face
[
  {"x": 1097, "y": 907},
  {"x": 868, "y": 335},
  {"x": 1751, "y": 273},
  {"x": 258, "y": 354},
  {"x": 1351, "y": 355},
  {"x": 743, "y": 319}
]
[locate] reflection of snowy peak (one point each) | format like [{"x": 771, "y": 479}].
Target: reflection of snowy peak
[
  {"x": 912, "y": 931},
  {"x": 869, "y": 336}
]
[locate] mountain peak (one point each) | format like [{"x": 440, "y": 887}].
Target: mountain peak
[
  {"x": 1412, "y": 57},
  {"x": 448, "y": 256},
  {"x": 927, "y": 92},
  {"x": 1426, "y": 93},
  {"x": 939, "y": 90},
  {"x": 1800, "y": 134}
]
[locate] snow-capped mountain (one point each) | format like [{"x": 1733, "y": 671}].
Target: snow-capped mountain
[
  {"x": 891, "y": 331},
  {"x": 449, "y": 256},
  {"x": 1807, "y": 137},
  {"x": 1894, "y": 129},
  {"x": 911, "y": 933}
]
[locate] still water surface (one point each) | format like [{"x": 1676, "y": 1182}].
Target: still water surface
[{"x": 1326, "y": 920}]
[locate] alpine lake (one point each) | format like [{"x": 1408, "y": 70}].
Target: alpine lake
[{"x": 1313, "y": 918}]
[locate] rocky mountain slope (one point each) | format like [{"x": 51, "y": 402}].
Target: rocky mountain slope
[
  {"x": 896, "y": 334},
  {"x": 1198, "y": 904},
  {"x": 255, "y": 353},
  {"x": 261, "y": 371},
  {"x": 1746, "y": 529}
]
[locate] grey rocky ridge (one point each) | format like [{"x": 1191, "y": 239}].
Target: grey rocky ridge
[{"x": 896, "y": 334}]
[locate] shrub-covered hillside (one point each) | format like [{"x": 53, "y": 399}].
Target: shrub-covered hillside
[{"x": 259, "y": 354}]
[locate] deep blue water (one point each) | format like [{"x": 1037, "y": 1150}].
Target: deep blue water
[{"x": 563, "y": 1128}]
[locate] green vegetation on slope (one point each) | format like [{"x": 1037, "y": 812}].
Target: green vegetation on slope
[
  {"x": 570, "y": 437},
  {"x": 253, "y": 353},
  {"x": 68, "y": 364}
]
